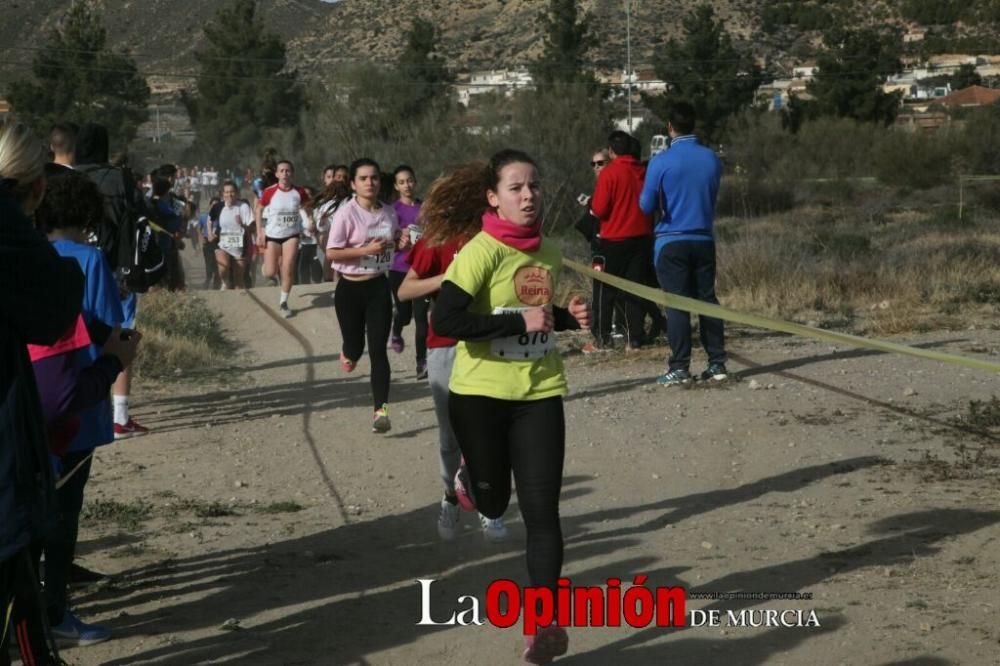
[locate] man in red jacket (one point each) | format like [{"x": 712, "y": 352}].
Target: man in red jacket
[{"x": 626, "y": 235}]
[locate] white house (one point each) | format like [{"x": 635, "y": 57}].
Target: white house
[
  {"x": 492, "y": 80},
  {"x": 806, "y": 70}
]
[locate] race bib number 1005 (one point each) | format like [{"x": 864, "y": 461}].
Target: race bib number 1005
[
  {"x": 287, "y": 220},
  {"x": 524, "y": 346}
]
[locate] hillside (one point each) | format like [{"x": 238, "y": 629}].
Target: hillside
[{"x": 474, "y": 33}]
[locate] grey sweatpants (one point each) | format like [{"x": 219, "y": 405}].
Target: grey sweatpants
[{"x": 439, "y": 363}]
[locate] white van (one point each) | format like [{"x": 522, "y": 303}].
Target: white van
[{"x": 658, "y": 144}]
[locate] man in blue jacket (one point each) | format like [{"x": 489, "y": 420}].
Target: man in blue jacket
[{"x": 683, "y": 182}]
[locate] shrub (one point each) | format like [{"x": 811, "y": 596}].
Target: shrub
[{"x": 179, "y": 332}]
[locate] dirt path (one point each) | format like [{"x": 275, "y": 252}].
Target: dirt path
[{"x": 822, "y": 480}]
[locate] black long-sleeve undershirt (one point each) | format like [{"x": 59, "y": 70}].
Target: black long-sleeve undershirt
[{"x": 451, "y": 318}]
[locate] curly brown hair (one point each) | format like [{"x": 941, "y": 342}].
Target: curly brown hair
[
  {"x": 71, "y": 200},
  {"x": 456, "y": 202}
]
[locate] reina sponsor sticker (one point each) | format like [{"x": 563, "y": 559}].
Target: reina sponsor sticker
[{"x": 533, "y": 285}]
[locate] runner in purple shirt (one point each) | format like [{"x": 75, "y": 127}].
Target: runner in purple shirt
[{"x": 408, "y": 210}]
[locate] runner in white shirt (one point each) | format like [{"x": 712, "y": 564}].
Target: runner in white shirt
[
  {"x": 324, "y": 205},
  {"x": 281, "y": 205},
  {"x": 234, "y": 219},
  {"x": 308, "y": 269}
]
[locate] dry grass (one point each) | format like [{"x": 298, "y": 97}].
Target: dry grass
[
  {"x": 181, "y": 335},
  {"x": 899, "y": 272},
  {"x": 911, "y": 272}
]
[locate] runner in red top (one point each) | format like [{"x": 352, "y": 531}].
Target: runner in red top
[
  {"x": 429, "y": 259},
  {"x": 279, "y": 226}
]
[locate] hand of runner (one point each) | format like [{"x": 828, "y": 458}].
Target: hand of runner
[
  {"x": 376, "y": 246},
  {"x": 403, "y": 242},
  {"x": 538, "y": 320},
  {"x": 579, "y": 309},
  {"x": 123, "y": 345}
]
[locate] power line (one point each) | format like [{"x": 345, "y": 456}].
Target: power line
[
  {"x": 239, "y": 59},
  {"x": 443, "y": 84}
]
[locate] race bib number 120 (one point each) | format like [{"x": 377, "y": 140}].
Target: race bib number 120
[
  {"x": 524, "y": 346},
  {"x": 378, "y": 263}
]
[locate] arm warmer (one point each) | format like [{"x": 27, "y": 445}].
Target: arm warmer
[{"x": 451, "y": 318}]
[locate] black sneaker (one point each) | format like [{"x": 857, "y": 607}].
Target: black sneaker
[
  {"x": 678, "y": 377},
  {"x": 716, "y": 371}
]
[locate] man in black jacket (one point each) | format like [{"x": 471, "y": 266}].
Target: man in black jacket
[{"x": 41, "y": 297}]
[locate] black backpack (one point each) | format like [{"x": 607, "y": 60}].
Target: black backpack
[{"x": 124, "y": 235}]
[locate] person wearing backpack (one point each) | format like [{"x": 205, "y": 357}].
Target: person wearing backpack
[{"x": 126, "y": 239}]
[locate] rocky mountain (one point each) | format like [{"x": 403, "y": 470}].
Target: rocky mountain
[{"x": 162, "y": 35}]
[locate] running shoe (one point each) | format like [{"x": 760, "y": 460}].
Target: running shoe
[
  {"x": 463, "y": 487},
  {"x": 677, "y": 377},
  {"x": 422, "y": 370},
  {"x": 72, "y": 632},
  {"x": 130, "y": 429},
  {"x": 716, "y": 371},
  {"x": 550, "y": 642},
  {"x": 285, "y": 311},
  {"x": 381, "y": 423},
  {"x": 591, "y": 348},
  {"x": 397, "y": 344},
  {"x": 448, "y": 520},
  {"x": 346, "y": 364},
  {"x": 493, "y": 528}
]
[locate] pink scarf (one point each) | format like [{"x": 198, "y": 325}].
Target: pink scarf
[{"x": 523, "y": 238}]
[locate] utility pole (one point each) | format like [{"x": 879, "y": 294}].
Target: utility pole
[{"x": 628, "y": 59}]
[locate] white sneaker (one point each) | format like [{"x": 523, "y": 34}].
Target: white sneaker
[
  {"x": 448, "y": 520},
  {"x": 493, "y": 528}
]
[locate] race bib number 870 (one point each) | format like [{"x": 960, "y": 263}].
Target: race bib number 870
[{"x": 524, "y": 346}]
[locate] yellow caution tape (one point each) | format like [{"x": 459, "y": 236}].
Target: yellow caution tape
[{"x": 711, "y": 310}]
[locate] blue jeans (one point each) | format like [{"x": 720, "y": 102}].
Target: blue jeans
[{"x": 687, "y": 268}]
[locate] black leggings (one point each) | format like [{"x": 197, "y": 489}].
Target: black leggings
[
  {"x": 366, "y": 308},
  {"x": 526, "y": 437},
  {"x": 405, "y": 311}
]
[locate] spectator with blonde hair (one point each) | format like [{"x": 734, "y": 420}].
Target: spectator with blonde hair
[{"x": 40, "y": 300}]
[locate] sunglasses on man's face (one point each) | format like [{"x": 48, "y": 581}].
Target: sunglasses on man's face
[{"x": 598, "y": 163}]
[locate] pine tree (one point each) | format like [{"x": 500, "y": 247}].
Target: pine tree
[
  {"x": 706, "y": 69},
  {"x": 78, "y": 78},
  {"x": 427, "y": 80},
  {"x": 243, "y": 86},
  {"x": 567, "y": 41},
  {"x": 851, "y": 73}
]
